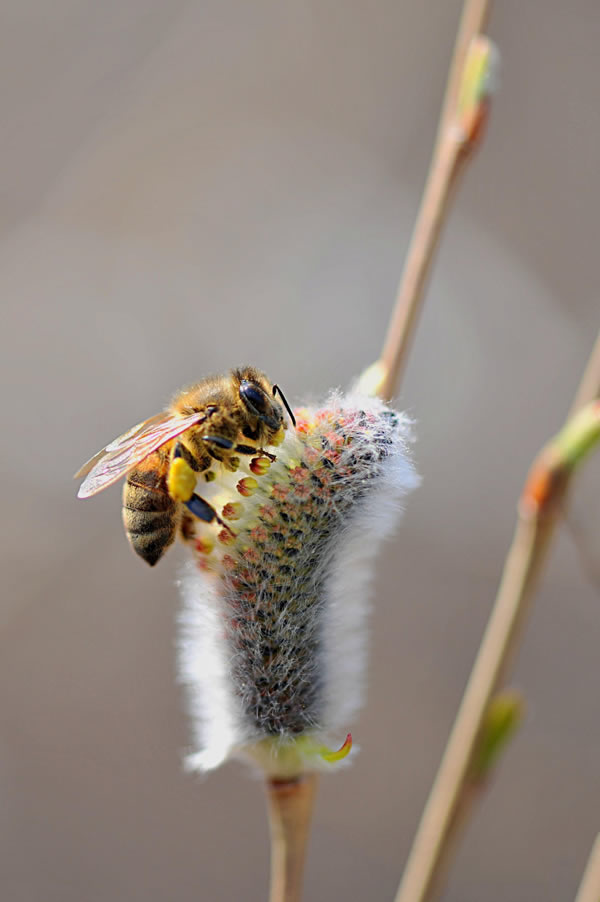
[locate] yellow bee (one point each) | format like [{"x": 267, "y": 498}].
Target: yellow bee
[{"x": 217, "y": 419}]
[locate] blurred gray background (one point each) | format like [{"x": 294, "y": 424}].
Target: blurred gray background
[{"x": 188, "y": 186}]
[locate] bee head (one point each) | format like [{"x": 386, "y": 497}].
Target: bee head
[
  {"x": 259, "y": 399},
  {"x": 260, "y": 405}
]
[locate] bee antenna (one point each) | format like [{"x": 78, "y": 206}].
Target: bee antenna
[{"x": 277, "y": 391}]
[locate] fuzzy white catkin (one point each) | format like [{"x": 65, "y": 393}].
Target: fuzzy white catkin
[{"x": 272, "y": 648}]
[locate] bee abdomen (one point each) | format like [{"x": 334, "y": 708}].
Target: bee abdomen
[
  {"x": 141, "y": 522},
  {"x": 150, "y": 515},
  {"x": 152, "y": 545}
]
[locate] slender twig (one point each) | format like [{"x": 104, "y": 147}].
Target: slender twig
[
  {"x": 450, "y": 153},
  {"x": 290, "y": 804},
  {"x": 473, "y": 21},
  {"x": 589, "y": 890},
  {"x": 540, "y": 508},
  {"x": 589, "y": 387}
]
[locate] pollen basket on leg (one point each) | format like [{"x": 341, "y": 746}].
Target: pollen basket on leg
[{"x": 181, "y": 480}]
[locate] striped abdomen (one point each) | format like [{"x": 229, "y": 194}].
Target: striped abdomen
[{"x": 150, "y": 515}]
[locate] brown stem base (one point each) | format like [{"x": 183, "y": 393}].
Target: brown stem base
[{"x": 290, "y": 805}]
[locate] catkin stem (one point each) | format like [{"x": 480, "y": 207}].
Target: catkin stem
[{"x": 290, "y": 805}]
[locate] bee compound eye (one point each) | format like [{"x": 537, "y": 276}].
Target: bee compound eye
[{"x": 253, "y": 397}]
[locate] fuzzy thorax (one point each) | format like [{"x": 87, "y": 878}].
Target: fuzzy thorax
[{"x": 272, "y": 649}]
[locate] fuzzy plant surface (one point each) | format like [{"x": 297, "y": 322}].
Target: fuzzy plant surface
[{"x": 272, "y": 647}]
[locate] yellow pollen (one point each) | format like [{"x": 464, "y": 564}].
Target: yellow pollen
[
  {"x": 226, "y": 537},
  {"x": 181, "y": 480},
  {"x": 205, "y": 544},
  {"x": 278, "y": 437},
  {"x": 260, "y": 465},
  {"x": 233, "y": 510},
  {"x": 232, "y": 463},
  {"x": 247, "y": 486}
]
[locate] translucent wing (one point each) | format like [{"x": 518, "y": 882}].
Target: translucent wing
[
  {"x": 117, "y": 443},
  {"x": 130, "y": 448}
]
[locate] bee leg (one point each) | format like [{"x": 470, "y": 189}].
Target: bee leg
[
  {"x": 217, "y": 447},
  {"x": 228, "y": 445},
  {"x": 263, "y": 453},
  {"x": 258, "y": 452},
  {"x": 181, "y": 451},
  {"x": 204, "y": 511},
  {"x": 219, "y": 441}
]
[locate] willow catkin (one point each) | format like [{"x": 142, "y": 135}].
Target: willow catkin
[{"x": 272, "y": 648}]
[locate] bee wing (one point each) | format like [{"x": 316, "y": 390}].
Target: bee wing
[
  {"x": 108, "y": 465},
  {"x": 118, "y": 442}
]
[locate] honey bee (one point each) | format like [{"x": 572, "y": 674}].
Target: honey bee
[{"x": 215, "y": 420}]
